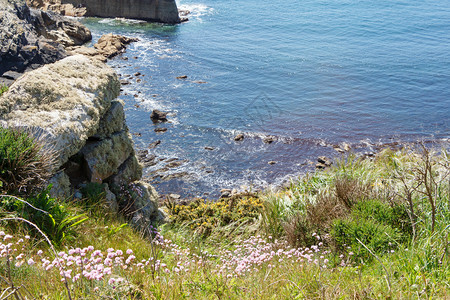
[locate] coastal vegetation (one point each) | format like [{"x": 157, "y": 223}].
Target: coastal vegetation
[
  {"x": 3, "y": 89},
  {"x": 364, "y": 228}
]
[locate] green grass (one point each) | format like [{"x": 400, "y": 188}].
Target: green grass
[
  {"x": 3, "y": 89},
  {"x": 308, "y": 241}
]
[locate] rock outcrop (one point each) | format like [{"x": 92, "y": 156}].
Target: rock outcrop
[
  {"x": 110, "y": 45},
  {"x": 65, "y": 31},
  {"x": 164, "y": 11},
  {"x": 30, "y": 38},
  {"x": 73, "y": 102},
  {"x": 21, "y": 47},
  {"x": 55, "y": 6}
]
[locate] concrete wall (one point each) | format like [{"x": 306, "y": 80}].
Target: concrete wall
[{"x": 165, "y": 11}]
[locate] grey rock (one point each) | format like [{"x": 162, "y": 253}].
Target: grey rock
[
  {"x": 111, "y": 122},
  {"x": 129, "y": 171},
  {"x": 111, "y": 199},
  {"x": 21, "y": 47},
  {"x": 104, "y": 157},
  {"x": 144, "y": 199},
  {"x": 55, "y": 27},
  {"x": 12, "y": 75},
  {"x": 61, "y": 188}
]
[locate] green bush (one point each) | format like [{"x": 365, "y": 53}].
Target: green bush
[
  {"x": 380, "y": 238},
  {"x": 394, "y": 215},
  {"x": 24, "y": 163}
]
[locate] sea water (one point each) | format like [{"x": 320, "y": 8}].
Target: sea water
[{"x": 311, "y": 74}]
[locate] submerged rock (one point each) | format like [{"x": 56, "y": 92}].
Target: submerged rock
[
  {"x": 269, "y": 139},
  {"x": 154, "y": 144},
  {"x": 158, "y": 116},
  {"x": 239, "y": 137}
]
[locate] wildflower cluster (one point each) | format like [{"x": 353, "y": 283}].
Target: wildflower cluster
[
  {"x": 14, "y": 249},
  {"x": 255, "y": 252}
]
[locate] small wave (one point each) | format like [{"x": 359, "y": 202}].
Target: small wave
[
  {"x": 196, "y": 10},
  {"x": 106, "y": 21},
  {"x": 120, "y": 21}
]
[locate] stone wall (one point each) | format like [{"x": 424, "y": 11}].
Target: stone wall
[
  {"x": 73, "y": 103},
  {"x": 165, "y": 11}
]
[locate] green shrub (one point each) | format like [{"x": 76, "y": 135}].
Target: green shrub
[
  {"x": 380, "y": 238},
  {"x": 24, "y": 163},
  {"x": 394, "y": 215}
]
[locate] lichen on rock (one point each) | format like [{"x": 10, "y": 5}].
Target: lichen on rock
[{"x": 66, "y": 99}]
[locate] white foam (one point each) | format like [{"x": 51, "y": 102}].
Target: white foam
[{"x": 197, "y": 10}]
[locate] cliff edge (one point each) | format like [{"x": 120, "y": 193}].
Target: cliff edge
[{"x": 164, "y": 11}]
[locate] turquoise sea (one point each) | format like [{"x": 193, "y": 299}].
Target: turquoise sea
[{"x": 313, "y": 74}]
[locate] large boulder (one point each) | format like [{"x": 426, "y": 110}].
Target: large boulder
[
  {"x": 21, "y": 48},
  {"x": 72, "y": 102},
  {"x": 66, "y": 100}
]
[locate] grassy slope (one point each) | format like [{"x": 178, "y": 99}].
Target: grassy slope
[{"x": 213, "y": 253}]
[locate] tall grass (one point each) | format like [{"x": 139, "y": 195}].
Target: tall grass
[{"x": 25, "y": 164}]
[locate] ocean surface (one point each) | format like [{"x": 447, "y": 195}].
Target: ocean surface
[{"x": 311, "y": 74}]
